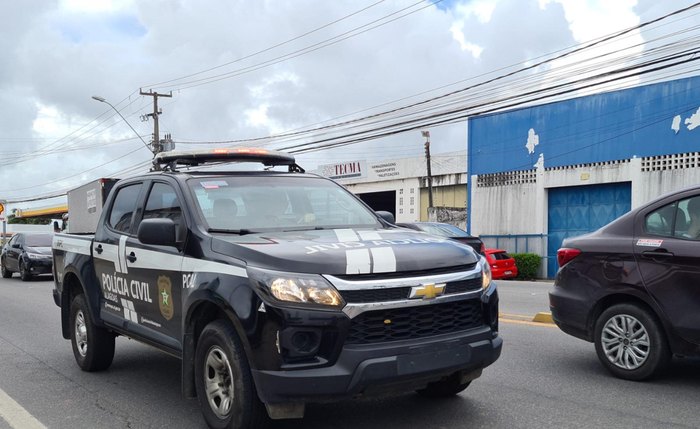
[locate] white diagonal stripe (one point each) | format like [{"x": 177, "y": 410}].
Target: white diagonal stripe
[
  {"x": 15, "y": 415},
  {"x": 357, "y": 261},
  {"x": 122, "y": 254},
  {"x": 345, "y": 235},
  {"x": 369, "y": 235},
  {"x": 384, "y": 260}
]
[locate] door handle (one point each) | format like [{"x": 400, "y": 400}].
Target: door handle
[
  {"x": 131, "y": 257},
  {"x": 662, "y": 253},
  {"x": 98, "y": 249}
]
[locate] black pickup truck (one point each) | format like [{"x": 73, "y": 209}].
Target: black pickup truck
[{"x": 274, "y": 288}]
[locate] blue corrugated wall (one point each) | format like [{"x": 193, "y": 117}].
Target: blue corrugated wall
[{"x": 605, "y": 127}]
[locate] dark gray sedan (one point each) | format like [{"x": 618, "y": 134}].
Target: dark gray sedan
[
  {"x": 633, "y": 286},
  {"x": 28, "y": 254}
]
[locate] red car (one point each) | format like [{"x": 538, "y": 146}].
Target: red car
[{"x": 502, "y": 265}]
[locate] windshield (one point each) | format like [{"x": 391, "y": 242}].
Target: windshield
[
  {"x": 39, "y": 240},
  {"x": 443, "y": 230},
  {"x": 254, "y": 203}
]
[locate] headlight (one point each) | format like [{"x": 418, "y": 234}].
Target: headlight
[
  {"x": 310, "y": 289},
  {"x": 486, "y": 274},
  {"x": 35, "y": 256}
]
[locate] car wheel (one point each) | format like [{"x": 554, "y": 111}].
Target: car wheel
[
  {"x": 630, "y": 342},
  {"x": 224, "y": 384},
  {"x": 6, "y": 274},
  {"x": 24, "y": 273},
  {"x": 448, "y": 386},
  {"x": 93, "y": 346}
]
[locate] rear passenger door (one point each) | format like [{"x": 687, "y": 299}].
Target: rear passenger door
[
  {"x": 669, "y": 262},
  {"x": 122, "y": 299}
]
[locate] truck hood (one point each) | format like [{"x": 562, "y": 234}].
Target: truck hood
[{"x": 345, "y": 251}]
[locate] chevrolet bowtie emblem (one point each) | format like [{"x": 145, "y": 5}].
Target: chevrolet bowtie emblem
[{"x": 427, "y": 291}]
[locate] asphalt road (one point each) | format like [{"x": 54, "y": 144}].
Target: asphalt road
[{"x": 543, "y": 379}]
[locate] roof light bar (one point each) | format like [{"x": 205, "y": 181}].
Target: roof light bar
[{"x": 200, "y": 157}]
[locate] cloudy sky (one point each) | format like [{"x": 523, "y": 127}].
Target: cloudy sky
[{"x": 252, "y": 68}]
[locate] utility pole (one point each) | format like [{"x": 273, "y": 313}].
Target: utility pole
[
  {"x": 157, "y": 146},
  {"x": 426, "y": 134}
]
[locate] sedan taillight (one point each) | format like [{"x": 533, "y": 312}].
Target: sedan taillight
[{"x": 565, "y": 255}]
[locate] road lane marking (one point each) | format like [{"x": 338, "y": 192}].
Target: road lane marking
[{"x": 16, "y": 416}]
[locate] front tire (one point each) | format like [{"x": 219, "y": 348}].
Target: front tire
[
  {"x": 24, "y": 273},
  {"x": 224, "y": 384},
  {"x": 93, "y": 346},
  {"x": 630, "y": 342}
]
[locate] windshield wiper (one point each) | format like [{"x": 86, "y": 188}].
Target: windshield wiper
[
  {"x": 305, "y": 228},
  {"x": 241, "y": 231}
]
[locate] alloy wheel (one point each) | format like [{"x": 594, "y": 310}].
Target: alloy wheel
[{"x": 625, "y": 342}]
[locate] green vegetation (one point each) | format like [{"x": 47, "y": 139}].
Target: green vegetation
[
  {"x": 528, "y": 265},
  {"x": 28, "y": 221}
]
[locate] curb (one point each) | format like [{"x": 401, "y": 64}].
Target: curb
[{"x": 543, "y": 317}]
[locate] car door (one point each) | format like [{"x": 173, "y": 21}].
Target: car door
[
  {"x": 160, "y": 267},
  {"x": 669, "y": 261},
  {"x": 14, "y": 249},
  {"x": 123, "y": 298}
]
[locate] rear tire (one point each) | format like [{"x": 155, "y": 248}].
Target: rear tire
[
  {"x": 448, "y": 386},
  {"x": 24, "y": 274},
  {"x": 93, "y": 346},
  {"x": 630, "y": 342},
  {"x": 225, "y": 387},
  {"x": 6, "y": 274}
]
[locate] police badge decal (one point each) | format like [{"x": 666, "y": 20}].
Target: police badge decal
[{"x": 165, "y": 301}]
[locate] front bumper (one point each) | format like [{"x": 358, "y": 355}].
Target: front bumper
[
  {"x": 39, "y": 266},
  {"x": 383, "y": 368}
]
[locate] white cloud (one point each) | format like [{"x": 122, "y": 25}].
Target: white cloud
[
  {"x": 94, "y": 6},
  {"x": 55, "y": 55}
]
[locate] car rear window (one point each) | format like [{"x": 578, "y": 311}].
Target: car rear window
[
  {"x": 499, "y": 256},
  {"x": 39, "y": 240}
]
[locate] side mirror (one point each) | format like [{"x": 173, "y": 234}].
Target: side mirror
[
  {"x": 387, "y": 216},
  {"x": 16, "y": 246},
  {"x": 159, "y": 232}
]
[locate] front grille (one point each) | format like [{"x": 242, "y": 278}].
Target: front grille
[
  {"x": 415, "y": 322},
  {"x": 375, "y": 295},
  {"x": 404, "y": 274},
  {"x": 463, "y": 286},
  {"x": 362, "y": 296}
]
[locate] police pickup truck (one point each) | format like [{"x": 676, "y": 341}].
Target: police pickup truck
[{"x": 274, "y": 288}]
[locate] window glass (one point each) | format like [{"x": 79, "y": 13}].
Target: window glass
[
  {"x": 660, "y": 221},
  {"x": 163, "y": 203},
  {"x": 39, "y": 240},
  {"x": 123, "y": 207},
  {"x": 443, "y": 230},
  {"x": 267, "y": 203},
  {"x": 688, "y": 218},
  {"x": 678, "y": 219}
]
